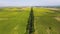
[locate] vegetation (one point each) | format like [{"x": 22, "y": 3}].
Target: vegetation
[
  {"x": 13, "y": 22},
  {"x": 27, "y": 21},
  {"x": 45, "y": 21}
]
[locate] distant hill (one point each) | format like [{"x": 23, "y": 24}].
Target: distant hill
[{"x": 49, "y": 6}]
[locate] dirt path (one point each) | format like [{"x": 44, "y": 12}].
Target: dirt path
[{"x": 30, "y": 25}]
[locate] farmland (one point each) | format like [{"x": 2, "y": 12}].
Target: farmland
[
  {"x": 13, "y": 21},
  {"x": 46, "y": 21},
  {"x": 20, "y": 20}
]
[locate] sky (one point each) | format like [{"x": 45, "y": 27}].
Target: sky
[{"x": 29, "y": 2}]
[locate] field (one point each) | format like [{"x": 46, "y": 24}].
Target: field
[
  {"x": 15, "y": 21},
  {"x": 46, "y": 21}
]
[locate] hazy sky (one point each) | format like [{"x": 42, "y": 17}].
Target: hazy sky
[{"x": 29, "y": 2}]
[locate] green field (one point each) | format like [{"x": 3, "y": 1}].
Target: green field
[
  {"x": 46, "y": 21},
  {"x": 15, "y": 20}
]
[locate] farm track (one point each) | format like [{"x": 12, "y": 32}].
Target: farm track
[{"x": 30, "y": 25}]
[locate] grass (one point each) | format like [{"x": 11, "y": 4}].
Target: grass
[
  {"x": 13, "y": 22},
  {"x": 45, "y": 22}
]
